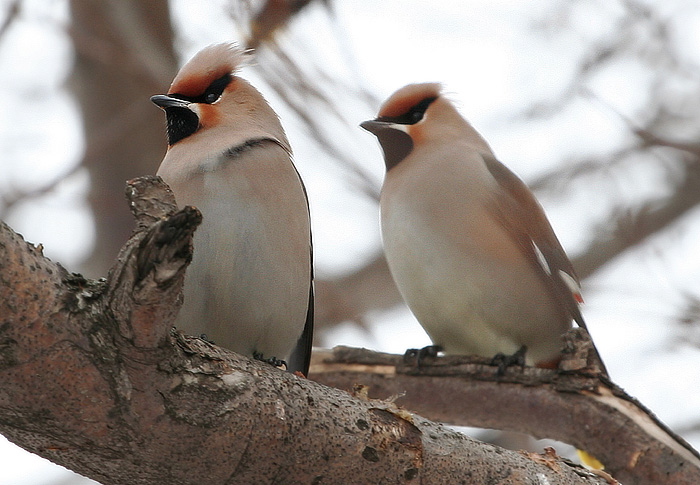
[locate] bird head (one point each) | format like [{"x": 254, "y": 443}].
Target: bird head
[
  {"x": 208, "y": 101},
  {"x": 395, "y": 127},
  {"x": 419, "y": 114}
]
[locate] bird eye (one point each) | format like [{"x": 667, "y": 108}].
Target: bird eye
[
  {"x": 418, "y": 111},
  {"x": 211, "y": 94},
  {"x": 216, "y": 89},
  {"x": 413, "y": 115}
]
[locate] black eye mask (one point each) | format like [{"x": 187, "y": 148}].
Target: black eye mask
[
  {"x": 211, "y": 94},
  {"x": 413, "y": 115}
]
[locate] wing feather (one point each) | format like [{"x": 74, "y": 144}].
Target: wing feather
[{"x": 523, "y": 216}]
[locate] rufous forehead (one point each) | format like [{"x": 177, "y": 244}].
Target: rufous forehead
[
  {"x": 196, "y": 83},
  {"x": 407, "y": 97},
  {"x": 206, "y": 66}
]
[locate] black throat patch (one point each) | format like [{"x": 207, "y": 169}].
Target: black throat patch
[
  {"x": 181, "y": 123},
  {"x": 396, "y": 144}
]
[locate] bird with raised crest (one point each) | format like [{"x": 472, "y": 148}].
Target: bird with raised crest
[
  {"x": 249, "y": 287},
  {"x": 467, "y": 243}
]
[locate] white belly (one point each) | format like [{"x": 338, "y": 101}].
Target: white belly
[
  {"x": 248, "y": 285},
  {"x": 451, "y": 273}
]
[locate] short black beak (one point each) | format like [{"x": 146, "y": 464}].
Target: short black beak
[
  {"x": 164, "y": 101},
  {"x": 393, "y": 138},
  {"x": 375, "y": 126}
]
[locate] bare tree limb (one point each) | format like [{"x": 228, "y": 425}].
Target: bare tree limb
[
  {"x": 632, "y": 226},
  {"x": 571, "y": 404},
  {"x": 16, "y": 195},
  {"x": 95, "y": 380},
  {"x": 351, "y": 297},
  {"x": 274, "y": 15},
  {"x": 13, "y": 10}
]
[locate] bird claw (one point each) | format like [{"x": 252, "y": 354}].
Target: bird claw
[
  {"x": 504, "y": 361},
  {"x": 273, "y": 361},
  {"x": 204, "y": 337},
  {"x": 418, "y": 355}
]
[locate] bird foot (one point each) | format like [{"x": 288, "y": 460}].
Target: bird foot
[
  {"x": 273, "y": 361},
  {"x": 204, "y": 337},
  {"x": 418, "y": 355},
  {"x": 504, "y": 361}
]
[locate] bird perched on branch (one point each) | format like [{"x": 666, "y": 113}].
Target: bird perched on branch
[
  {"x": 249, "y": 286},
  {"x": 467, "y": 243}
]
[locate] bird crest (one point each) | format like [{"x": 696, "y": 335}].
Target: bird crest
[
  {"x": 208, "y": 65},
  {"x": 406, "y": 98}
]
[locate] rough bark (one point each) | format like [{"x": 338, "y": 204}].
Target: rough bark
[
  {"x": 95, "y": 379},
  {"x": 575, "y": 404}
]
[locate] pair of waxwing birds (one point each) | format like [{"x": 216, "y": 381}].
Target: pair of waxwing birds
[{"x": 469, "y": 247}]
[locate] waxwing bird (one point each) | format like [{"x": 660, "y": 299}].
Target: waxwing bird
[
  {"x": 249, "y": 286},
  {"x": 467, "y": 244}
]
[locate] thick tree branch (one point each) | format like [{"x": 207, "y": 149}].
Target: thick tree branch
[
  {"x": 95, "y": 379},
  {"x": 575, "y": 404}
]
